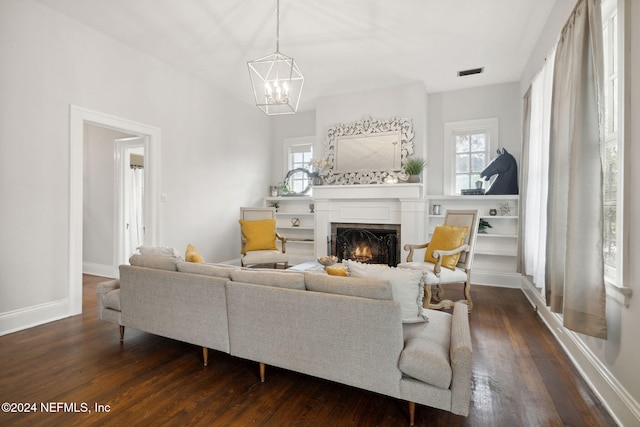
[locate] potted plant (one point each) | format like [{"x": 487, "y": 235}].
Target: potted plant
[{"x": 414, "y": 167}]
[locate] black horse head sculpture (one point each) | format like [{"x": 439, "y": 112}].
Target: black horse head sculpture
[{"x": 505, "y": 166}]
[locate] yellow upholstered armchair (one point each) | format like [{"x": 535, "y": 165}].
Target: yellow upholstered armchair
[
  {"x": 448, "y": 257},
  {"x": 259, "y": 237}
]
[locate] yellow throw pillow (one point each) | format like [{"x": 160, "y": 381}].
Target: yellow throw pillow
[
  {"x": 336, "y": 270},
  {"x": 259, "y": 235},
  {"x": 446, "y": 238},
  {"x": 192, "y": 254}
]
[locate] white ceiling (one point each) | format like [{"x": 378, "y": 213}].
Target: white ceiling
[{"x": 339, "y": 45}]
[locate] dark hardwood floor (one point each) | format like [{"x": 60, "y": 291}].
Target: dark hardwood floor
[{"x": 521, "y": 377}]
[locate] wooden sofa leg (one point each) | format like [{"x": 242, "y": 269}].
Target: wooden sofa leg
[
  {"x": 121, "y": 333},
  {"x": 205, "y": 355},
  {"x": 412, "y": 413},
  {"x": 262, "y": 372}
]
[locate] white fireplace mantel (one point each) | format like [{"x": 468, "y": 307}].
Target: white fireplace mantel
[
  {"x": 402, "y": 204},
  {"x": 375, "y": 191}
]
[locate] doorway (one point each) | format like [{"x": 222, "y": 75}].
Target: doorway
[
  {"x": 79, "y": 117},
  {"x": 129, "y": 226}
]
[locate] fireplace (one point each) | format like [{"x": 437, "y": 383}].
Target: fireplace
[{"x": 366, "y": 243}]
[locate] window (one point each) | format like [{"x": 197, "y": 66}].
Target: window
[
  {"x": 469, "y": 144},
  {"x": 298, "y": 154},
  {"x": 612, "y": 149},
  {"x": 471, "y": 158}
]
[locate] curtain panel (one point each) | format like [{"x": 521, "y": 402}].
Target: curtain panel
[
  {"x": 574, "y": 270},
  {"x": 524, "y": 180}
]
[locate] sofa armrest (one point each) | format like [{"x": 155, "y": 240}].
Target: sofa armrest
[
  {"x": 460, "y": 353},
  {"x": 101, "y": 290},
  {"x": 108, "y": 286}
]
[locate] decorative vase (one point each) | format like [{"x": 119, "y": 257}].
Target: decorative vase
[
  {"x": 317, "y": 180},
  {"x": 415, "y": 178}
]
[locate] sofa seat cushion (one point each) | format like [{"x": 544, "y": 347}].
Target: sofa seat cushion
[
  {"x": 112, "y": 300},
  {"x": 264, "y": 257},
  {"x": 350, "y": 286},
  {"x": 425, "y": 356},
  {"x": 288, "y": 280}
]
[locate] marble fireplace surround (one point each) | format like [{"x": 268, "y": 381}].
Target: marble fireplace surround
[{"x": 402, "y": 204}]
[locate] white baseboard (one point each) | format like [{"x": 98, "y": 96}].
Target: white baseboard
[
  {"x": 25, "y": 318},
  {"x": 622, "y": 407},
  {"x": 501, "y": 280},
  {"x": 101, "y": 270}
]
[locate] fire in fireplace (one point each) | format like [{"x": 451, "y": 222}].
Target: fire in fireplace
[{"x": 366, "y": 243}]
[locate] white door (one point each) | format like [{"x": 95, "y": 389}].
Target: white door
[{"x": 130, "y": 197}]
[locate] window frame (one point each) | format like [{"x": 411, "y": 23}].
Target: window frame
[
  {"x": 488, "y": 125},
  {"x": 615, "y": 279},
  {"x": 288, "y": 144}
]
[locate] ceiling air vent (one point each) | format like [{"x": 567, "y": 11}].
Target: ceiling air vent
[{"x": 470, "y": 72}]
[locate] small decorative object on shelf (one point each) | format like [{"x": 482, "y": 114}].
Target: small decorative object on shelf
[
  {"x": 472, "y": 191},
  {"x": 493, "y": 212},
  {"x": 435, "y": 210},
  {"x": 273, "y": 190},
  {"x": 311, "y": 207},
  {"x": 505, "y": 209},
  {"x": 295, "y": 222},
  {"x": 274, "y": 205},
  {"x": 391, "y": 179},
  {"x": 483, "y": 225},
  {"x": 505, "y": 166},
  {"x": 414, "y": 167},
  {"x": 328, "y": 260},
  {"x": 318, "y": 168}
]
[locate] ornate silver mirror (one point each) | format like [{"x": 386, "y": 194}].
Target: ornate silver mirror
[{"x": 368, "y": 151}]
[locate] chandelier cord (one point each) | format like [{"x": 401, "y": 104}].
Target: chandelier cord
[{"x": 277, "y": 25}]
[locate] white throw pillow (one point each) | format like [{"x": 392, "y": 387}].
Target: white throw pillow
[
  {"x": 407, "y": 286},
  {"x": 159, "y": 251}
]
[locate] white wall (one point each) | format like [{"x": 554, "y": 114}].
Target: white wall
[
  {"x": 283, "y": 127},
  {"x": 501, "y": 101},
  {"x": 213, "y": 154},
  {"x": 408, "y": 100},
  {"x": 610, "y": 365}
]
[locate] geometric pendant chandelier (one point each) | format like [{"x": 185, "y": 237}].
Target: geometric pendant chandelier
[{"x": 276, "y": 79}]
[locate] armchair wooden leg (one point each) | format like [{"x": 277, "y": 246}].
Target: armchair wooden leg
[
  {"x": 121, "y": 332},
  {"x": 412, "y": 413},
  {"x": 205, "y": 355},
  {"x": 467, "y": 295},
  {"x": 426, "y": 302},
  {"x": 262, "y": 368}
]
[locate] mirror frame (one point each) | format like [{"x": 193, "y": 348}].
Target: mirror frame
[
  {"x": 363, "y": 128},
  {"x": 290, "y": 174}
]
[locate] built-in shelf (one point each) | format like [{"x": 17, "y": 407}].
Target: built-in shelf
[
  {"x": 300, "y": 238},
  {"x": 496, "y": 250}
]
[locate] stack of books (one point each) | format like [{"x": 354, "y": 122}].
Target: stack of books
[{"x": 473, "y": 191}]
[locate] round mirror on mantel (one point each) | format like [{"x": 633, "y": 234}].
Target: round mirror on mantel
[{"x": 297, "y": 182}]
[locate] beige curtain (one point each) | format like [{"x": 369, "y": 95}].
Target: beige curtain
[
  {"x": 574, "y": 274},
  {"x": 524, "y": 177}
]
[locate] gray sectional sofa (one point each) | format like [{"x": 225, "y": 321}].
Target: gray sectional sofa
[{"x": 343, "y": 329}]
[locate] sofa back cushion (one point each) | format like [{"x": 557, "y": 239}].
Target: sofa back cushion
[
  {"x": 154, "y": 261},
  {"x": 350, "y": 286},
  {"x": 216, "y": 270},
  {"x": 288, "y": 280}
]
